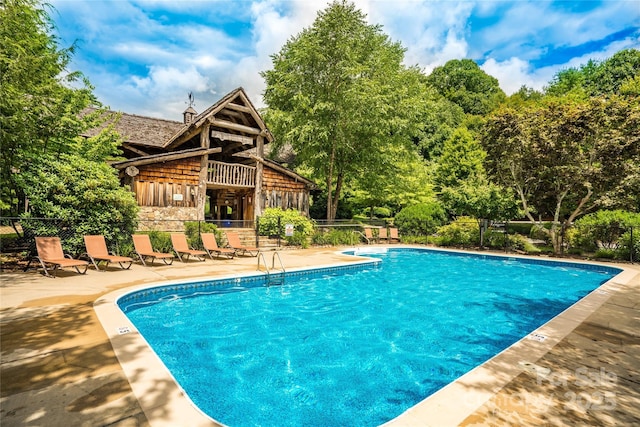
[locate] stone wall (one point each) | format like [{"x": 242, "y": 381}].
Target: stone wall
[{"x": 166, "y": 218}]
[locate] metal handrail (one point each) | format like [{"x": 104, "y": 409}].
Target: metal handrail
[{"x": 273, "y": 261}]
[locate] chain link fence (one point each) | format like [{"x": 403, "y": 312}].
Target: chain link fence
[{"x": 611, "y": 242}]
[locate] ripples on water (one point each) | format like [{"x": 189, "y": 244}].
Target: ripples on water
[{"x": 356, "y": 348}]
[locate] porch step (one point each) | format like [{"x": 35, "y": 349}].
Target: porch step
[{"x": 248, "y": 238}]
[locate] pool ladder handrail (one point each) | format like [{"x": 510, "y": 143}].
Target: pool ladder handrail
[{"x": 282, "y": 271}]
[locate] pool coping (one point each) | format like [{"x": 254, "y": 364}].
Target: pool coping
[{"x": 448, "y": 406}]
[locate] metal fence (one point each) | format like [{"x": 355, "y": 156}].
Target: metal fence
[{"x": 615, "y": 242}]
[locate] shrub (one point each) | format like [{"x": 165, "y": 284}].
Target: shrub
[
  {"x": 538, "y": 233},
  {"x": 192, "y": 229},
  {"x": 494, "y": 239},
  {"x": 605, "y": 253},
  {"x": 462, "y": 232},
  {"x": 519, "y": 242},
  {"x": 76, "y": 197},
  {"x": 160, "y": 241},
  {"x": 421, "y": 219},
  {"x": 604, "y": 229},
  {"x": 273, "y": 221},
  {"x": 335, "y": 237},
  {"x": 523, "y": 228}
]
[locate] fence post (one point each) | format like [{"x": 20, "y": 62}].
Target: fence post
[
  {"x": 632, "y": 246},
  {"x": 506, "y": 236},
  {"x": 257, "y": 231},
  {"x": 279, "y": 229}
]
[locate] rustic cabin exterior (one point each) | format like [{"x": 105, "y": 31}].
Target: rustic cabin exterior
[{"x": 209, "y": 166}]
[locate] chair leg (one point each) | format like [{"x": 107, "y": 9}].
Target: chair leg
[
  {"x": 44, "y": 268},
  {"x": 142, "y": 260},
  {"x": 96, "y": 264},
  {"x": 125, "y": 262},
  {"x": 77, "y": 267}
]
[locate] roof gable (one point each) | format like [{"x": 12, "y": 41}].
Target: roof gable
[{"x": 233, "y": 118}]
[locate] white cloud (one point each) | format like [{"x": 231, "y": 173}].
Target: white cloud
[
  {"x": 512, "y": 73},
  {"x": 143, "y": 57}
]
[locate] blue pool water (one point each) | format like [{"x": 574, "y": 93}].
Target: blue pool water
[{"x": 352, "y": 346}]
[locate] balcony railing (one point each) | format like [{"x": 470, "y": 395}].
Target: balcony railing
[{"x": 231, "y": 174}]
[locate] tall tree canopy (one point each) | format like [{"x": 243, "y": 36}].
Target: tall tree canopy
[
  {"x": 598, "y": 78},
  {"x": 40, "y": 99},
  {"x": 464, "y": 187},
  {"x": 339, "y": 94},
  {"x": 565, "y": 157},
  {"x": 462, "y": 82},
  {"x": 45, "y": 160}
]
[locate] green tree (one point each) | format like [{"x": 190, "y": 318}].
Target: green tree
[
  {"x": 462, "y": 82},
  {"x": 524, "y": 96},
  {"x": 339, "y": 94},
  {"x": 598, "y": 78},
  {"x": 84, "y": 195},
  {"x": 464, "y": 187},
  {"x": 40, "y": 99},
  {"x": 461, "y": 159},
  {"x": 420, "y": 219},
  {"x": 441, "y": 119},
  {"x": 565, "y": 158},
  {"x": 401, "y": 180}
]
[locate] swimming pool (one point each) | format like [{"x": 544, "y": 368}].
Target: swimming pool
[{"x": 316, "y": 345}]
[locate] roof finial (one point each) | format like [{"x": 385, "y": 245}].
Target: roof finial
[{"x": 189, "y": 113}]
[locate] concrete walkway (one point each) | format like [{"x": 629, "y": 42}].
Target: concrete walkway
[{"x": 58, "y": 366}]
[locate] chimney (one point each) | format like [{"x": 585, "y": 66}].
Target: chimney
[{"x": 189, "y": 114}]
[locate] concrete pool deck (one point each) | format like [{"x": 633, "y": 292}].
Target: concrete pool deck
[{"x": 59, "y": 367}]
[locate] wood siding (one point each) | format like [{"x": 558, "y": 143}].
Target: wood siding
[
  {"x": 282, "y": 191},
  {"x": 173, "y": 183}
]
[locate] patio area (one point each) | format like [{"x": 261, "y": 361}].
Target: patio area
[{"x": 59, "y": 368}]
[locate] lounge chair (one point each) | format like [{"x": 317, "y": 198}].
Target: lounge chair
[
  {"x": 181, "y": 248},
  {"x": 393, "y": 235},
  {"x": 50, "y": 254},
  {"x": 142, "y": 245},
  {"x": 368, "y": 235},
  {"x": 97, "y": 252},
  {"x": 382, "y": 234},
  {"x": 234, "y": 243},
  {"x": 211, "y": 246}
]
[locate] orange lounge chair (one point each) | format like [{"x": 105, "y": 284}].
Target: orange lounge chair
[
  {"x": 393, "y": 235},
  {"x": 50, "y": 254},
  {"x": 181, "y": 247},
  {"x": 142, "y": 245},
  {"x": 234, "y": 243},
  {"x": 382, "y": 234},
  {"x": 211, "y": 246},
  {"x": 97, "y": 252},
  {"x": 368, "y": 235}
]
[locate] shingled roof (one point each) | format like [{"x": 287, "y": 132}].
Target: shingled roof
[{"x": 140, "y": 130}]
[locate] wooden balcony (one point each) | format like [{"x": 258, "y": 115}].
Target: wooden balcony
[{"x": 231, "y": 175}]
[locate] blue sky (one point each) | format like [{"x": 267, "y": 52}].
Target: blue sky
[{"x": 144, "y": 57}]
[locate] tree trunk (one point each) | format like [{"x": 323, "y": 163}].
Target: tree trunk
[
  {"x": 556, "y": 238},
  {"x": 336, "y": 197},
  {"x": 330, "y": 216}
]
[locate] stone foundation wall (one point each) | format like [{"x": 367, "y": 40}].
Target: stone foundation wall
[{"x": 166, "y": 218}]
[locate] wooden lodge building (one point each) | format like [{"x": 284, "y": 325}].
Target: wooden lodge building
[{"x": 210, "y": 162}]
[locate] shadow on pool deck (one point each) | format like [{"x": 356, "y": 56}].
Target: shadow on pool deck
[{"x": 58, "y": 367}]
